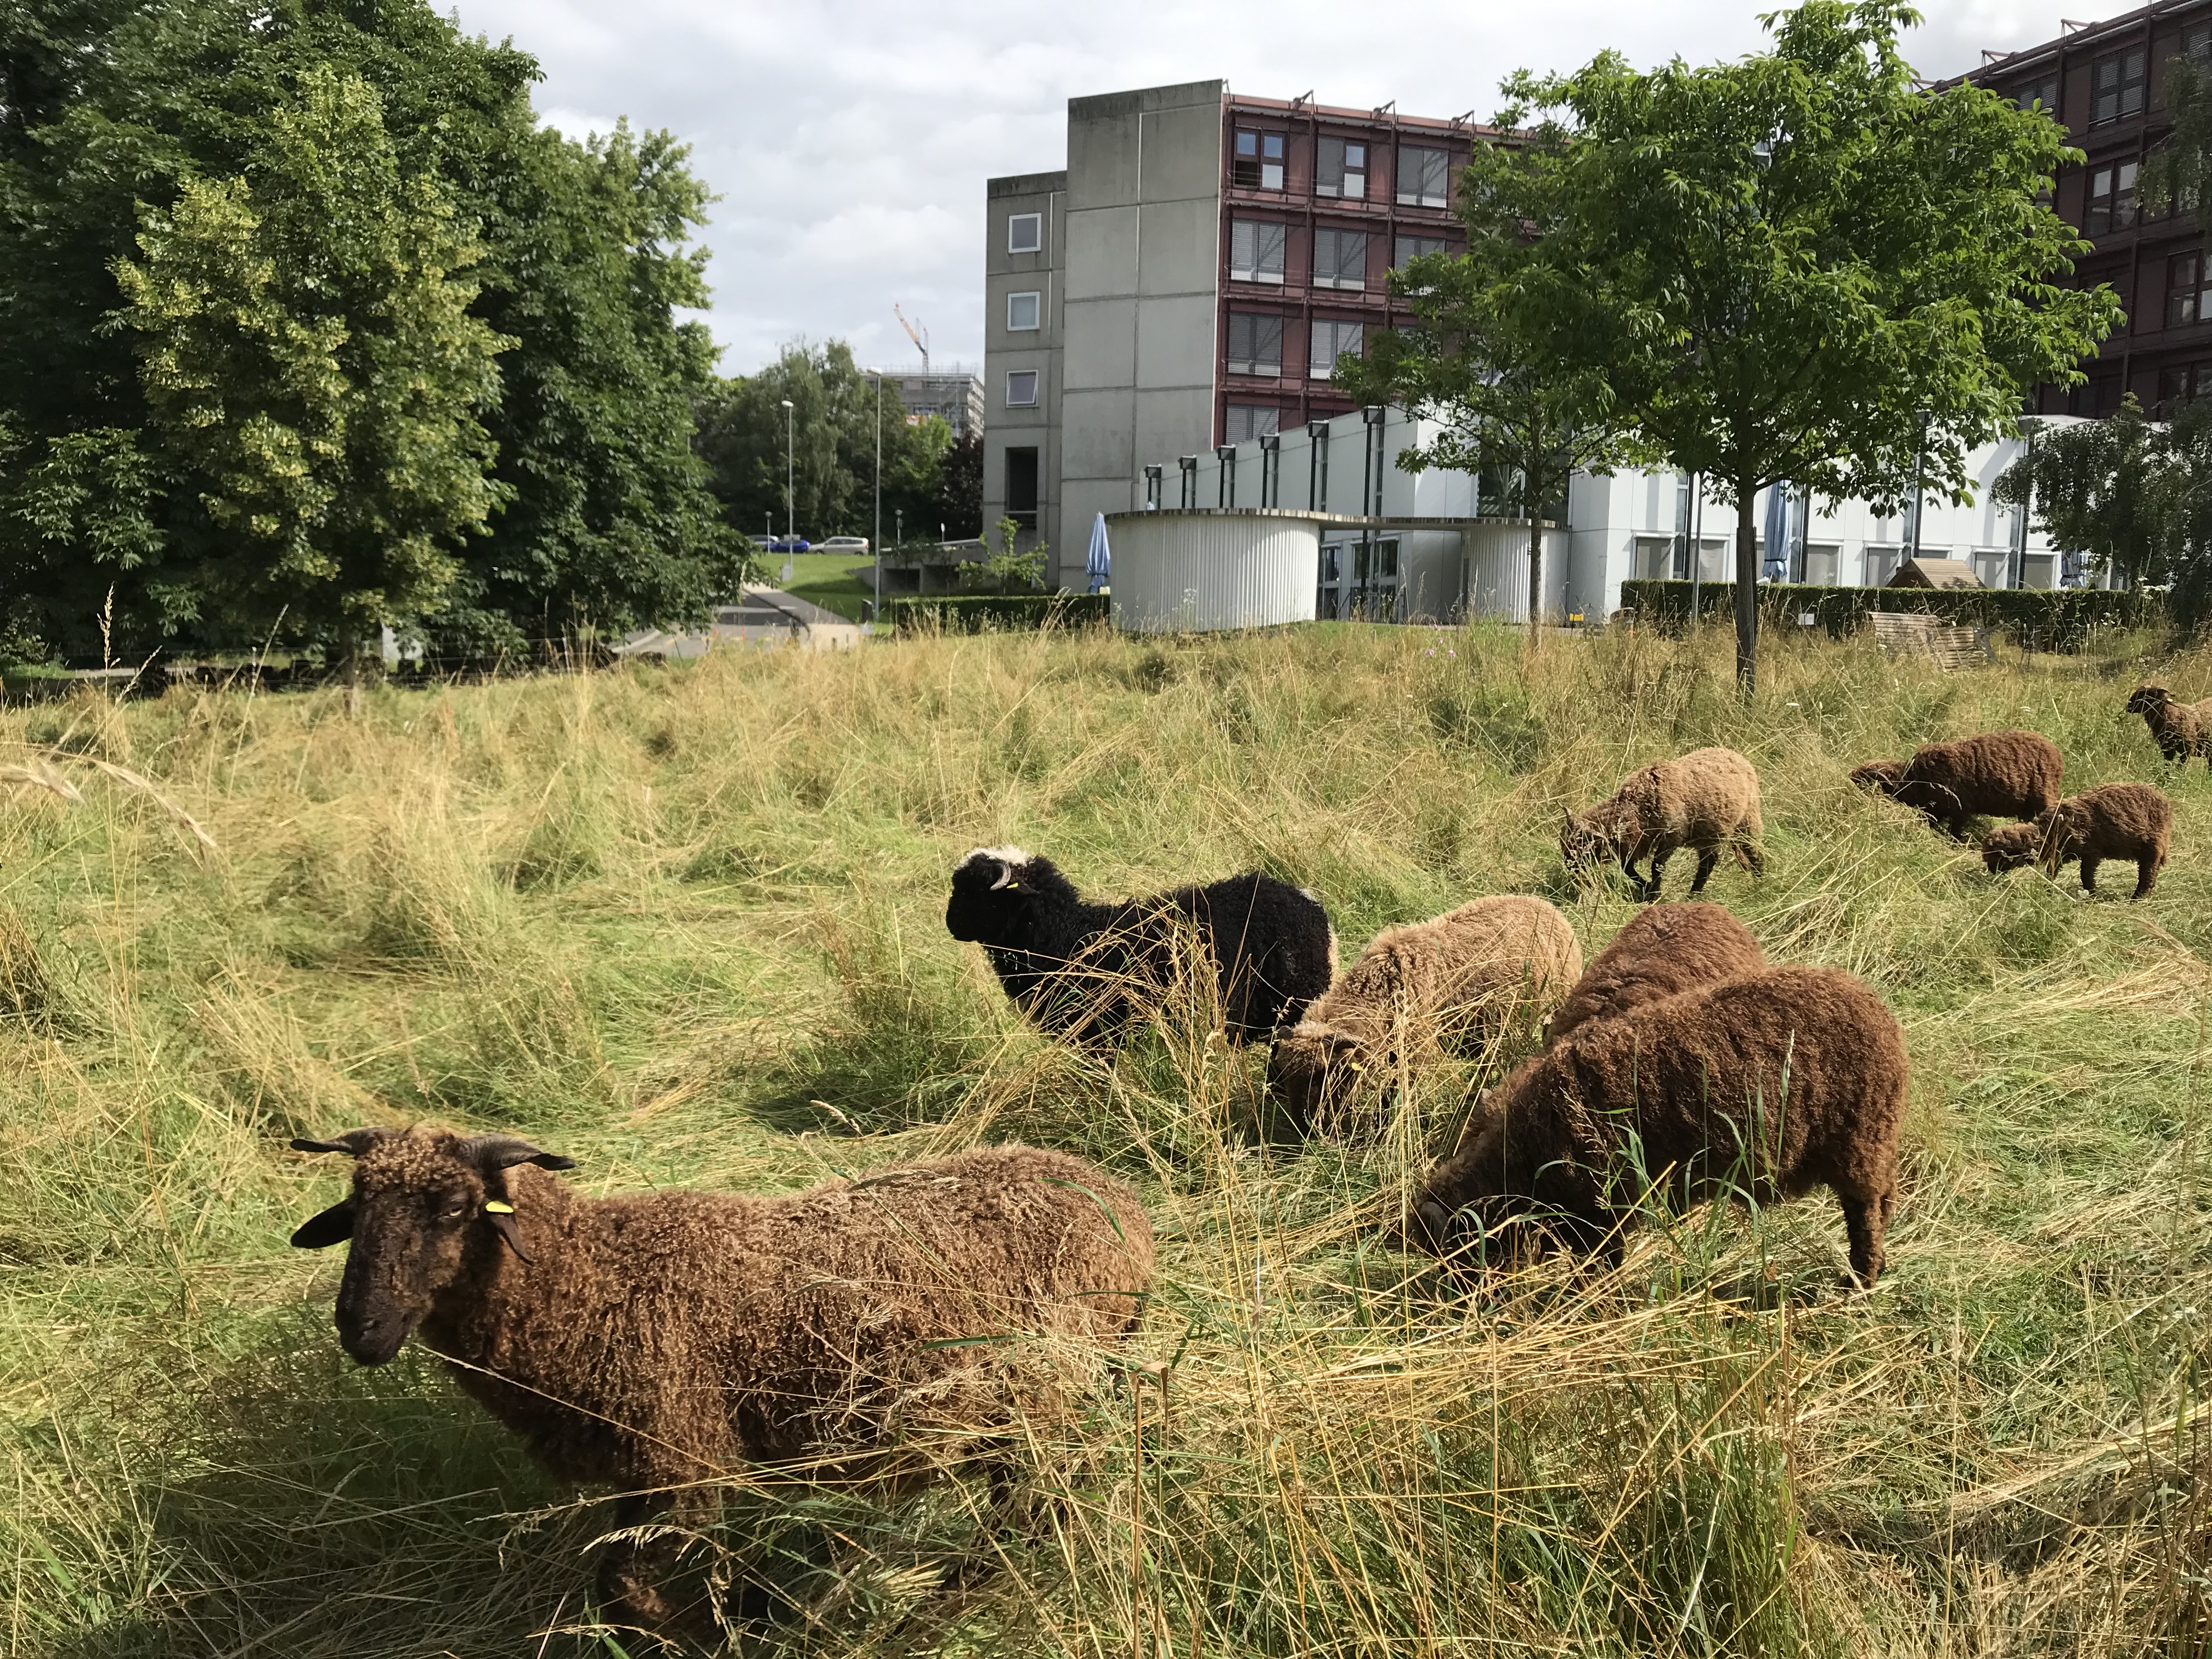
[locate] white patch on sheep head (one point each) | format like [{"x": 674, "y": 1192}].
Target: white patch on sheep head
[{"x": 1011, "y": 861}]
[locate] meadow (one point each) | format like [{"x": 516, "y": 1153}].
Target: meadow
[{"x": 685, "y": 924}]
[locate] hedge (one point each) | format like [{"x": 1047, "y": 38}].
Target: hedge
[
  {"x": 2052, "y": 619},
  {"x": 973, "y": 613}
]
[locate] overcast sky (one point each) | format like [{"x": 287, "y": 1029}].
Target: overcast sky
[{"x": 850, "y": 139}]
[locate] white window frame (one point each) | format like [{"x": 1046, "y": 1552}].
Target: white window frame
[
  {"x": 1035, "y": 310},
  {"x": 1014, "y": 376},
  {"x": 1036, "y": 224},
  {"x": 1336, "y": 325}
]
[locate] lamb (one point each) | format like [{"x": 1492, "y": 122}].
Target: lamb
[
  {"x": 1469, "y": 975},
  {"x": 1661, "y": 952},
  {"x": 653, "y": 1340},
  {"x": 1087, "y": 971},
  {"x": 2129, "y": 821},
  {"x": 1708, "y": 800},
  {"x": 2182, "y": 730},
  {"x": 1797, "y": 1072},
  {"x": 2005, "y": 775}
]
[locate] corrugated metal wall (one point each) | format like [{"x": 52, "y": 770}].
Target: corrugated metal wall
[
  {"x": 1498, "y": 571},
  {"x": 1201, "y": 573}
]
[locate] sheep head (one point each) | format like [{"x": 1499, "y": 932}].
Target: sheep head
[
  {"x": 1313, "y": 1070},
  {"x": 416, "y": 1197},
  {"x": 1886, "y": 776},
  {"x": 1582, "y": 845},
  {"x": 990, "y": 895},
  {"x": 2148, "y": 699}
]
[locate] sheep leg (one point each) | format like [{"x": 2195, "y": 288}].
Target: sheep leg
[
  {"x": 1707, "y": 858},
  {"x": 1658, "y": 873},
  {"x": 2089, "y": 873},
  {"x": 1866, "y": 1219},
  {"x": 2147, "y": 874},
  {"x": 630, "y": 1573}
]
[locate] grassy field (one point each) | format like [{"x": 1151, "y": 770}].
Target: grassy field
[
  {"x": 825, "y": 578},
  {"x": 683, "y": 924}
]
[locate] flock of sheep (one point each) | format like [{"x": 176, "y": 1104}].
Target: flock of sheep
[{"x": 654, "y": 1342}]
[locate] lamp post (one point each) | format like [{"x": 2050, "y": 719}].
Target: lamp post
[
  {"x": 790, "y": 521},
  {"x": 877, "y": 615}
]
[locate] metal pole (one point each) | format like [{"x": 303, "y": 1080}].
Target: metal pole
[
  {"x": 1696, "y": 547},
  {"x": 1919, "y": 486},
  {"x": 877, "y": 615},
  {"x": 790, "y": 465}
]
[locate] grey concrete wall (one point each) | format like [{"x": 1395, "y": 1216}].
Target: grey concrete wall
[
  {"x": 1143, "y": 195},
  {"x": 1041, "y": 349}
]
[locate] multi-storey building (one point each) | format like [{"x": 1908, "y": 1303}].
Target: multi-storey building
[
  {"x": 953, "y": 393},
  {"x": 2107, "y": 84},
  {"x": 1190, "y": 282}
]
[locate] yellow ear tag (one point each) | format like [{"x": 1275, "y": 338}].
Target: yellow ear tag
[{"x": 493, "y": 1206}]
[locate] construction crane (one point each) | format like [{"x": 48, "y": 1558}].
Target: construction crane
[{"x": 920, "y": 340}]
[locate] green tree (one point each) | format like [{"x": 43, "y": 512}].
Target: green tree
[
  {"x": 1816, "y": 258},
  {"x": 313, "y": 375},
  {"x": 2110, "y": 489},
  {"x": 959, "y": 504},
  {"x": 1515, "y": 357}
]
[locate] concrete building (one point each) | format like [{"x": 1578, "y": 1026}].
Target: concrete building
[
  {"x": 954, "y": 393},
  {"x": 1190, "y": 281},
  {"x": 2107, "y": 84}
]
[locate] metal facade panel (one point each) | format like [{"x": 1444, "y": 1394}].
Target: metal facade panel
[{"x": 1201, "y": 573}]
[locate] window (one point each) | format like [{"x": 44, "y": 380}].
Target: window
[
  {"x": 1025, "y": 233},
  {"x": 1022, "y": 311},
  {"x": 1259, "y": 162},
  {"x": 1021, "y": 388},
  {"x": 1022, "y": 487},
  {"x": 1255, "y": 251},
  {"x": 1413, "y": 247},
  {"x": 1342, "y": 170},
  {"x": 2196, "y": 41},
  {"x": 1247, "y": 422},
  {"x": 1255, "y": 343},
  {"x": 2187, "y": 300},
  {"x": 1332, "y": 340},
  {"x": 2184, "y": 384},
  {"x": 2111, "y": 198},
  {"x": 1421, "y": 177},
  {"x": 2043, "y": 91},
  {"x": 1339, "y": 259},
  {"x": 2116, "y": 85}
]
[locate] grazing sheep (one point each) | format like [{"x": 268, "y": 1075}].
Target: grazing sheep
[
  {"x": 1466, "y": 975},
  {"x": 655, "y": 1340},
  {"x": 1084, "y": 971},
  {"x": 1661, "y": 952},
  {"x": 2129, "y": 821},
  {"x": 1797, "y": 1072},
  {"x": 2003, "y": 774},
  {"x": 2182, "y": 729},
  {"x": 1707, "y": 800}
]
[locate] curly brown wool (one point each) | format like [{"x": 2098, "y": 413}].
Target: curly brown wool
[
  {"x": 1800, "y": 1072},
  {"x": 2182, "y": 730},
  {"x": 1707, "y": 800},
  {"x": 2120, "y": 821},
  {"x": 2001, "y": 774},
  {"x": 1458, "y": 980},
  {"x": 657, "y": 1340},
  {"x": 1661, "y": 952}
]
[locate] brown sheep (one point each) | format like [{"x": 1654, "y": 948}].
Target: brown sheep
[
  {"x": 2131, "y": 820},
  {"x": 1466, "y": 976},
  {"x": 2182, "y": 730},
  {"x": 1708, "y": 800},
  {"x": 1661, "y": 952},
  {"x": 1802, "y": 1068},
  {"x": 655, "y": 1340},
  {"x": 2002, "y": 775}
]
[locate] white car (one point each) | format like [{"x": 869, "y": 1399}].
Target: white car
[{"x": 854, "y": 545}]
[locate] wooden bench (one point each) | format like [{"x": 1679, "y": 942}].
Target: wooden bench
[{"x": 1915, "y": 634}]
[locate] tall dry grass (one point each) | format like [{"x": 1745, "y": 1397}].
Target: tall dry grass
[{"x": 685, "y": 926}]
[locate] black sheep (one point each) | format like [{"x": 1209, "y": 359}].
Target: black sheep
[{"x": 1084, "y": 971}]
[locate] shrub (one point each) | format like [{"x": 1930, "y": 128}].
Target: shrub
[
  {"x": 2050, "y": 619},
  {"x": 977, "y": 613}
]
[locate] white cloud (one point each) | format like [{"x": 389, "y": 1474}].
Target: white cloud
[{"x": 850, "y": 139}]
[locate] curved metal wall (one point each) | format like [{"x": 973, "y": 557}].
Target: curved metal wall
[
  {"x": 1203, "y": 573},
  {"x": 1497, "y": 570}
]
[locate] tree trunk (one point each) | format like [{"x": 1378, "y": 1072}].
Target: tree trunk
[
  {"x": 1535, "y": 573},
  {"x": 1747, "y": 589},
  {"x": 353, "y": 681}
]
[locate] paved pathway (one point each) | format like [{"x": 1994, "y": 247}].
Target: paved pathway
[{"x": 762, "y": 615}]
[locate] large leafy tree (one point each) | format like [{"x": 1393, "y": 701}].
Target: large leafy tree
[
  {"x": 2110, "y": 489},
  {"x": 312, "y": 377},
  {"x": 1515, "y": 357},
  {"x": 1821, "y": 261},
  {"x": 105, "y": 104},
  {"x": 831, "y": 432}
]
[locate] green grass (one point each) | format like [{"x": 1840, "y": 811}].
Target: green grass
[
  {"x": 822, "y": 579},
  {"x": 685, "y": 924}
]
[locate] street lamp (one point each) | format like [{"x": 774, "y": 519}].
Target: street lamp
[
  {"x": 790, "y": 522},
  {"x": 878, "y": 613}
]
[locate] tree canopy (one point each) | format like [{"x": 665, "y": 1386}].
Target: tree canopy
[{"x": 1810, "y": 260}]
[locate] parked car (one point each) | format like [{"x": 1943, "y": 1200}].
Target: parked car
[
  {"x": 787, "y": 545},
  {"x": 857, "y": 546}
]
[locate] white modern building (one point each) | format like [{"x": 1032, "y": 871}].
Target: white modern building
[{"x": 1387, "y": 544}]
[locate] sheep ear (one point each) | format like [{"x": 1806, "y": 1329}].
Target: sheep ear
[
  {"x": 492, "y": 1153},
  {"x": 333, "y": 1226},
  {"x": 502, "y": 1223},
  {"x": 352, "y": 1141}
]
